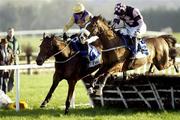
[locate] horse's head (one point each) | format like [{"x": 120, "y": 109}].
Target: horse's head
[
  {"x": 97, "y": 26},
  {"x": 50, "y": 46}
]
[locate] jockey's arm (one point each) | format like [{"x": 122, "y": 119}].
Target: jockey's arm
[
  {"x": 88, "y": 17},
  {"x": 116, "y": 19},
  {"x": 68, "y": 25},
  {"x": 92, "y": 39},
  {"x": 138, "y": 17}
]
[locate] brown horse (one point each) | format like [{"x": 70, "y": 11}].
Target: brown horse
[
  {"x": 66, "y": 63},
  {"x": 6, "y": 58},
  {"x": 115, "y": 54}
]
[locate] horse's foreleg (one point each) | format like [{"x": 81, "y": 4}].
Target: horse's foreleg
[
  {"x": 151, "y": 70},
  {"x": 89, "y": 79},
  {"x": 176, "y": 67},
  {"x": 125, "y": 75},
  {"x": 53, "y": 87},
  {"x": 70, "y": 94},
  {"x": 102, "y": 83},
  {"x": 95, "y": 80}
]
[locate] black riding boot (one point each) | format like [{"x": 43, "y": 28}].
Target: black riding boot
[
  {"x": 134, "y": 47},
  {"x": 85, "y": 65}
]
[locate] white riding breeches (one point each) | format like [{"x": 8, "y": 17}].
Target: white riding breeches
[{"x": 134, "y": 31}]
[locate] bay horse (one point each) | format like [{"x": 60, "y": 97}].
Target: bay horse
[
  {"x": 66, "y": 63},
  {"x": 115, "y": 54},
  {"x": 6, "y": 58}
]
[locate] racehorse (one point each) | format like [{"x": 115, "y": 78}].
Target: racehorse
[
  {"x": 6, "y": 58},
  {"x": 66, "y": 63},
  {"x": 161, "y": 49}
]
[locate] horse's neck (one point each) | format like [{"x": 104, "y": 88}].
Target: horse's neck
[
  {"x": 64, "y": 54},
  {"x": 109, "y": 38}
]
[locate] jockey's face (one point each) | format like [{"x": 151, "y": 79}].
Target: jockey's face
[
  {"x": 79, "y": 14},
  {"x": 122, "y": 13}
]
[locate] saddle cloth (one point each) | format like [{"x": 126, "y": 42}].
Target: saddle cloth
[
  {"x": 94, "y": 56},
  {"x": 87, "y": 50},
  {"x": 141, "y": 50}
]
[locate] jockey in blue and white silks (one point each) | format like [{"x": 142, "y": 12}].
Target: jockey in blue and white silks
[
  {"x": 80, "y": 17},
  {"x": 82, "y": 44},
  {"x": 135, "y": 26}
]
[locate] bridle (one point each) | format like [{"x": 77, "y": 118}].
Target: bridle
[
  {"x": 64, "y": 61},
  {"x": 96, "y": 31}
]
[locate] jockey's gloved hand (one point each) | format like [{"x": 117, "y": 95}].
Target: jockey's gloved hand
[
  {"x": 115, "y": 21},
  {"x": 137, "y": 34},
  {"x": 65, "y": 37}
]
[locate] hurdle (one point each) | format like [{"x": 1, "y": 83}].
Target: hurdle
[{"x": 140, "y": 91}]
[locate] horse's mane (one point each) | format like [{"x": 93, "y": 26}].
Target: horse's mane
[
  {"x": 99, "y": 17},
  {"x": 54, "y": 36}
]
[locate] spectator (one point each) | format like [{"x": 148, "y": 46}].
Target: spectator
[
  {"x": 14, "y": 46},
  {"x": 4, "y": 60}
]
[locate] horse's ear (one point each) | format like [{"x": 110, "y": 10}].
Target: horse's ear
[
  {"x": 44, "y": 35},
  {"x": 95, "y": 18}
]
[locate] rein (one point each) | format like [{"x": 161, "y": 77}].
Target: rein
[
  {"x": 60, "y": 62},
  {"x": 61, "y": 50},
  {"x": 114, "y": 48},
  {"x": 105, "y": 50},
  {"x": 67, "y": 59}
]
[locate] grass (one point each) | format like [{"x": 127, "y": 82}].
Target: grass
[{"x": 35, "y": 87}]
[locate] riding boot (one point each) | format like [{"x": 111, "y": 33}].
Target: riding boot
[
  {"x": 133, "y": 48},
  {"x": 86, "y": 62}
]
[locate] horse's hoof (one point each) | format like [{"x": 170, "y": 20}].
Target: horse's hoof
[
  {"x": 66, "y": 112},
  {"x": 42, "y": 106},
  {"x": 90, "y": 90},
  {"x": 98, "y": 92}
]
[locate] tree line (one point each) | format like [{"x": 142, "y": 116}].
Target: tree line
[{"x": 53, "y": 15}]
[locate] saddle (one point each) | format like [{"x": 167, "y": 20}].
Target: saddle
[
  {"x": 141, "y": 49},
  {"x": 87, "y": 51}
]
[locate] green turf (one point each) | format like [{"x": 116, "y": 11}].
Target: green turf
[{"x": 35, "y": 87}]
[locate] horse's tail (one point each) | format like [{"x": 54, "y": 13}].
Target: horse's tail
[{"x": 172, "y": 45}]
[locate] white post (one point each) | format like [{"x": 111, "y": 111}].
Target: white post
[{"x": 17, "y": 83}]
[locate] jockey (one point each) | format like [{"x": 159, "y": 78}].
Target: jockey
[
  {"x": 80, "y": 17},
  {"x": 134, "y": 23},
  {"x": 81, "y": 43}
]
